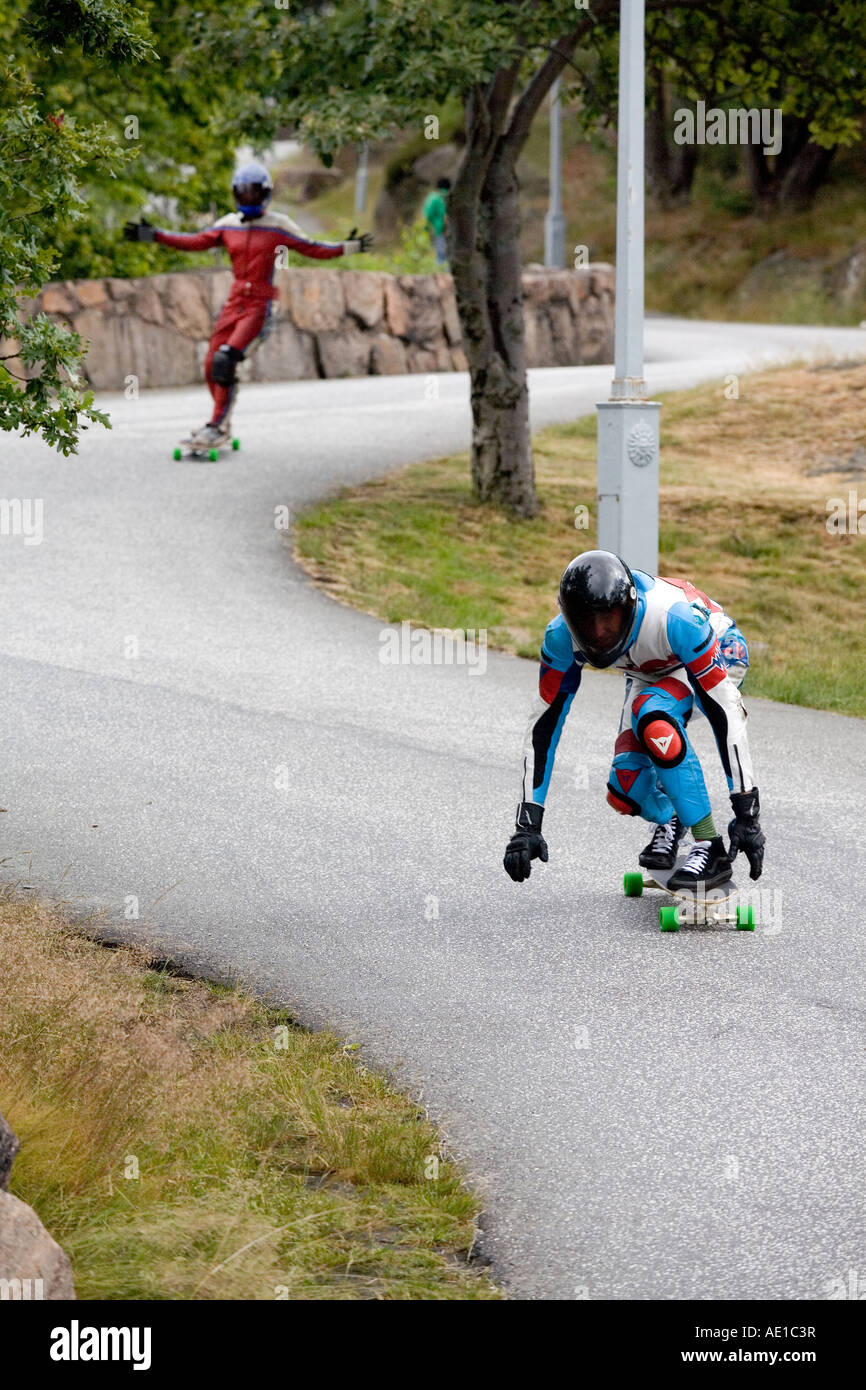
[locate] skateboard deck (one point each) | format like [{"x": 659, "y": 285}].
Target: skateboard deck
[
  {"x": 709, "y": 906},
  {"x": 187, "y": 448}
]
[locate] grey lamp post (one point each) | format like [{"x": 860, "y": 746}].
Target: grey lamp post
[
  {"x": 361, "y": 180},
  {"x": 554, "y": 222},
  {"x": 363, "y": 153},
  {"x": 628, "y": 424}
]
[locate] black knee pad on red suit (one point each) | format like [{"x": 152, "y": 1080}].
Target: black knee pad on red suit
[
  {"x": 223, "y": 367},
  {"x": 663, "y": 738}
]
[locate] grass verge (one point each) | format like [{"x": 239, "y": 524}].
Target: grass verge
[
  {"x": 183, "y": 1141},
  {"x": 745, "y": 487}
]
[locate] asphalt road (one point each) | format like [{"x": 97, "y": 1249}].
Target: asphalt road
[{"x": 187, "y": 724}]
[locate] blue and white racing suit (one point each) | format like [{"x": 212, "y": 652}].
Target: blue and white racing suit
[{"x": 683, "y": 649}]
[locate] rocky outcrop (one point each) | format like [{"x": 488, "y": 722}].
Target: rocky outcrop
[
  {"x": 8, "y": 1150},
  {"x": 153, "y": 331},
  {"x": 826, "y": 288},
  {"x": 32, "y": 1264}
]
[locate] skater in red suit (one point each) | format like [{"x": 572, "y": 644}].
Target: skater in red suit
[{"x": 251, "y": 238}]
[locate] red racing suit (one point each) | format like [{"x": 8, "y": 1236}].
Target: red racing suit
[{"x": 252, "y": 246}]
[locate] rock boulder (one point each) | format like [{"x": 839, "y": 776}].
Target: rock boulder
[{"x": 32, "y": 1264}]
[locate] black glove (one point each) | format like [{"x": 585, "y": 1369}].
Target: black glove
[
  {"x": 355, "y": 243},
  {"x": 745, "y": 831},
  {"x": 527, "y": 842},
  {"x": 139, "y": 231}
]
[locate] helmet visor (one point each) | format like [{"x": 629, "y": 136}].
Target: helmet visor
[
  {"x": 251, "y": 192},
  {"x": 601, "y": 634}
]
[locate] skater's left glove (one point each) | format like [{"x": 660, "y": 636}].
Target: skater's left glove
[
  {"x": 745, "y": 830},
  {"x": 139, "y": 231},
  {"x": 527, "y": 842},
  {"x": 355, "y": 243}
]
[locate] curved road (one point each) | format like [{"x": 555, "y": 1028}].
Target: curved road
[{"x": 187, "y": 723}]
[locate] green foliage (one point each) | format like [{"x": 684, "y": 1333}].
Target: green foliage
[
  {"x": 42, "y": 154},
  {"x": 414, "y": 255},
  {"x": 108, "y": 30},
  {"x": 177, "y": 163},
  {"x": 804, "y": 58},
  {"x": 353, "y": 71},
  {"x": 94, "y": 124}
]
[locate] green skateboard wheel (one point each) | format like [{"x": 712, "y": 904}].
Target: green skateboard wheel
[
  {"x": 745, "y": 918},
  {"x": 213, "y": 455},
  {"x": 632, "y": 885},
  {"x": 236, "y": 444},
  {"x": 178, "y": 453},
  {"x": 669, "y": 919}
]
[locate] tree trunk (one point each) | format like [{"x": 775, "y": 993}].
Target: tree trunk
[
  {"x": 658, "y": 155},
  {"x": 684, "y": 163},
  {"x": 483, "y": 236},
  {"x": 502, "y": 464},
  {"x": 762, "y": 185},
  {"x": 799, "y": 170},
  {"x": 670, "y": 167},
  {"x": 805, "y": 175},
  {"x": 484, "y": 252}
]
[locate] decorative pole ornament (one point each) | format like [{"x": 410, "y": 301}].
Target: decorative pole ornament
[{"x": 642, "y": 444}]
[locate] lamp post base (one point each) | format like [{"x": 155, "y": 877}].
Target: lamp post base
[{"x": 628, "y": 480}]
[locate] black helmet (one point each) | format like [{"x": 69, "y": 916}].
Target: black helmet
[
  {"x": 252, "y": 188},
  {"x": 598, "y": 598}
]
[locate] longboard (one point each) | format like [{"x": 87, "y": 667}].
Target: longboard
[
  {"x": 703, "y": 908},
  {"x": 186, "y": 449}
]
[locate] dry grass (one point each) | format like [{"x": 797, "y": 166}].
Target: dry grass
[
  {"x": 182, "y": 1141},
  {"x": 744, "y": 490}
]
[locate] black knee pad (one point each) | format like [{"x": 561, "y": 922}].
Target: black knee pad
[{"x": 223, "y": 366}]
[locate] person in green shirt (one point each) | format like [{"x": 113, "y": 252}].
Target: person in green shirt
[{"x": 435, "y": 213}]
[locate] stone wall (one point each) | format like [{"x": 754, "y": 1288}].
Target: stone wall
[{"x": 327, "y": 323}]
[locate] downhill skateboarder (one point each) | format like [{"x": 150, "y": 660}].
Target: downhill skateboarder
[
  {"x": 251, "y": 240},
  {"x": 675, "y": 646}
]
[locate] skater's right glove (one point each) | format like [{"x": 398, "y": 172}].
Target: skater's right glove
[
  {"x": 527, "y": 842},
  {"x": 354, "y": 243},
  {"x": 139, "y": 231},
  {"x": 745, "y": 830}
]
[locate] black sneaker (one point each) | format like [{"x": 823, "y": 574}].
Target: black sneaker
[
  {"x": 705, "y": 866},
  {"x": 661, "y": 852}
]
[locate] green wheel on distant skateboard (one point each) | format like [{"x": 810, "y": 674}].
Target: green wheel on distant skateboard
[
  {"x": 632, "y": 885},
  {"x": 669, "y": 919},
  {"x": 745, "y": 918},
  {"x": 213, "y": 455},
  {"x": 177, "y": 453},
  {"x": 236, "y": 444}
]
